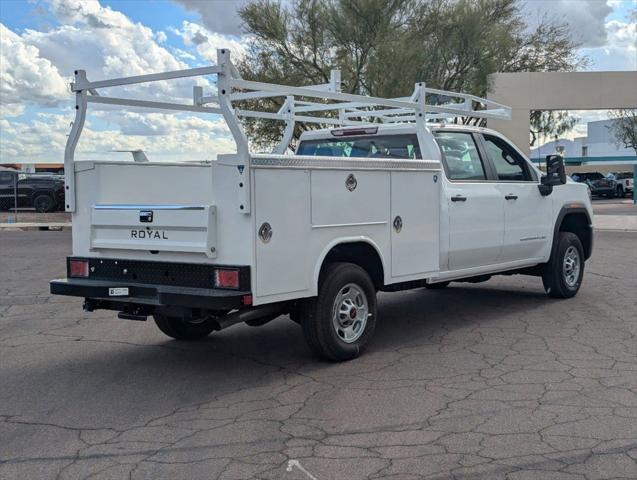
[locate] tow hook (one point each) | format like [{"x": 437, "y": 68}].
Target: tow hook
[{"x": 88, "y": 305}]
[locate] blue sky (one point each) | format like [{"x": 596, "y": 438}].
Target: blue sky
[{"x": 44, "y": 40}]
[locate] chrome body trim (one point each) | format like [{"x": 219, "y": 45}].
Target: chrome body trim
[
  {"x": 126, "y": 206},
  {"x": 346, "y": 163}
]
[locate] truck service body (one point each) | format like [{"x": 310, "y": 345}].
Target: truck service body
[{"x": 387, "y": 198}]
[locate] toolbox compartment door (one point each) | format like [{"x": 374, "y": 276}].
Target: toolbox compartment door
[
  {"x": 415, "y": 205},
  {"x": 282, "y": 206}
]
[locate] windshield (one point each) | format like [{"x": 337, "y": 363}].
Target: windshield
[{"x": 382, "y": 146}]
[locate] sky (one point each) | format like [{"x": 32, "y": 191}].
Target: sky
[{"x": 43, "y": 41}]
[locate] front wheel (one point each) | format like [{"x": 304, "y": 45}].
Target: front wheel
[
  {"x": 563, "y": 273},
  {"x": 181, "y": 329},
  {"x": 339, "y": 323}
]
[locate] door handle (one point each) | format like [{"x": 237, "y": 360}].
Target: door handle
[
  {"x": 510, "y": 196},
  {"x": 458, "y": 198}
]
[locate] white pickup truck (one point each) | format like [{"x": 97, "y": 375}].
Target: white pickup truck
[{"x": 390, "y": 197}]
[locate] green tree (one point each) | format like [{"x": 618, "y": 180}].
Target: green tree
[
  {"x": 383, "y": 47},
  {"x": 624, "y": 127},
  {"x": 550, "y": 124}
]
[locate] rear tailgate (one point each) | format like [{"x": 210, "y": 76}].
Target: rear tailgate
[{"x": 154, "y": 227}]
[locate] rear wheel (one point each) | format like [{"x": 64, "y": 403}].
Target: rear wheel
[
  {"x": 339, "y": 323},
  {"x": 180, "y": 329},
  {"x": 562, "y": 275},
  {"x": 43, "y": 203},
  {"x": 620, "y": 191}
]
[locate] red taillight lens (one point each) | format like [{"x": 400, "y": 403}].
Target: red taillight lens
[
  {"x": 78, "y": 268},
  {"x": 226, "y": 278}
]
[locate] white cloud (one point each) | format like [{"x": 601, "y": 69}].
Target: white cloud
[
  {"x": 26, "y": 77},
  {"x": 161, "y": 36},
  {"x": 585, "y": 18},
  {"x": 136, "y": 123},
  {"x": 622, "y": 40},
  {"x": 108, "y": 44},
  {"x": 207, "y": 42},
  {"x": 218, "y": 16},
  {"x": 620, "y": 50},
  {"x": 172, "y": 138},
  {"x": 183, "y": 54}
]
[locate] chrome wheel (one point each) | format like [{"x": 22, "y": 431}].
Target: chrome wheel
[
  {"x": 571, "y": 266},
  {"x": 350, "y": 312}
]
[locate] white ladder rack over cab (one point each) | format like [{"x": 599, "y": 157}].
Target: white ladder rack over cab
[{"x": 323, "y": 104}]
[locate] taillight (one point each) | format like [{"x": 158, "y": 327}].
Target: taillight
[
  {"x": 78, "y": 268},
  {"x": 226, "y": 278}
]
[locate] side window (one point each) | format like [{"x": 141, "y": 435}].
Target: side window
[
  {"x": 379, "y": 146},
  {"x": 6, "y": 178},
  {"x": 460, "y": 155},
  {"x": 508, "y": 163}
]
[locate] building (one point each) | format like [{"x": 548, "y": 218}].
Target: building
[
  {"x": 596, "y": 150},
  {"x": 57, "y": 168}
]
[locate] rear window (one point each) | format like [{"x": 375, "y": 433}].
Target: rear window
[
  {"x": 623, "y": 176},
  {"x": 381, "y": 146}
]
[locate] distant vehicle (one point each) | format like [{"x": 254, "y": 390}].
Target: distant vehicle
[
  {"x": 625, "y": 182},
  {"x": 598, "y": 183},
  {"x": 43, "y": 192}
]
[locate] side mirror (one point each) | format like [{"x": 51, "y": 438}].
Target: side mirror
[{"x": 555, "y": 174}]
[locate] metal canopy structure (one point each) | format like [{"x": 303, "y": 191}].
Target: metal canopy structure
[{"x": 323, "y": 104}]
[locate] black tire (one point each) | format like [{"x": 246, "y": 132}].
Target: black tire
[
  {"x": 179, "y": 329},
  {"x": 556, "y": 275},
  {"x": 437, "y": 286},
  {"x": 620, "y": 192},
  {"x": 43, "y": 203},
  {"x": 318, "y": 315}
]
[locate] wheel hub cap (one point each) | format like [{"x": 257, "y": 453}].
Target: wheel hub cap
[
  {"x": 350, "y": 312},
  {"x": 571, "y": 266}
]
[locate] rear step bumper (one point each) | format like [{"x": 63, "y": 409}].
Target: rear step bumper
[{"x": 148, "y": 295}]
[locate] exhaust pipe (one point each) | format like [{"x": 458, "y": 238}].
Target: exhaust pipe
[{"x": 253, "y": 314}]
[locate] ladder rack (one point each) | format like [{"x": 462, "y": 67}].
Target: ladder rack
[{"x": 323, "y": 104}]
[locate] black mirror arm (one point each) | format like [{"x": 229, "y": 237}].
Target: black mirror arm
[{"x": 545, "y": 188}]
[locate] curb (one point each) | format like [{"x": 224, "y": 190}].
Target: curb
[
  {"x": 15, "y": 227},
  {"x": 616, "y": 230}
]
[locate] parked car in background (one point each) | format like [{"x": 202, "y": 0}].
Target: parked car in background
[
  {"x": 625, "y": 182},
  {"x": 43, "y": 192},
  {"x": 598, "y": 183}
]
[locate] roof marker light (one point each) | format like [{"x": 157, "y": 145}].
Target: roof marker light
[{"x": 348, "y": 132}]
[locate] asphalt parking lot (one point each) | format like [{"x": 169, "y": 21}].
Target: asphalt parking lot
[
  {"x": 614, "y": 206},
  {"x": 485, "y": 381}
]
